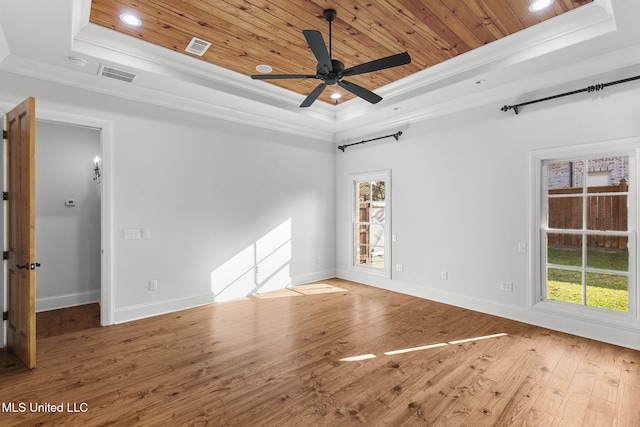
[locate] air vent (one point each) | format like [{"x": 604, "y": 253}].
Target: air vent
[
  {"x": 114, "y": 73},
  {"x": 197, "y": 46}
]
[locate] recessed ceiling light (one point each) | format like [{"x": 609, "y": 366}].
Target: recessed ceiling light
[
  {"x": 130, "y": 19},
  {"x": 262, "y": 68},
  {"x": 336, "y": 95},
  {"x": 538, "y": 5}
]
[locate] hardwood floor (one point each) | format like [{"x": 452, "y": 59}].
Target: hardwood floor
[
  {"x": 64, "y": 320},
  {"x": 288, "y": 359}
]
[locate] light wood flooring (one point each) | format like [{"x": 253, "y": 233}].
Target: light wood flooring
[{"x": 290, "y": 358}]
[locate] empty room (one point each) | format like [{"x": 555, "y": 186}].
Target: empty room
[{"x": 291, "y": 213}]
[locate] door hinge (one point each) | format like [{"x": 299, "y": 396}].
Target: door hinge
[
  {"x": 4, "y": 134},
  {"x": 5, "y": 195},
  {"x": 5, "y": 315},
  {"x": 5, "y": 255}
]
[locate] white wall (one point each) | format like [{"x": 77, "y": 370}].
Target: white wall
[
  {"x": 460, "y": 189},
  {"x": 68, "y": 238},
  {"x": 207, "y": 190}
]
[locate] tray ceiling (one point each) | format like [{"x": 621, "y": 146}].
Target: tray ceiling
[{"x": 245, "y": 34}]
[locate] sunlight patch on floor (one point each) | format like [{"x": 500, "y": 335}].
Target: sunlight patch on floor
[
  {"x": 297, "y": 291},
  {"x": 356, "y": 358},
  {"x": 408, "y": 350},
  {"x": 423, "y": 347},
  {"x": 317, "y": 288},
  {"x": 281, "y": 293}
]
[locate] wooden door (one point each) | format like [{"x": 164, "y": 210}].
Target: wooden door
[{"x": 21, "y": 231}]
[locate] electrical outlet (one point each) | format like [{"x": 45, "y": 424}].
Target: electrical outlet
[
  {"x": 444, "y": 275},
  {"x": 153, "y": 285},
  {"x": 399, "y": 267},
  {"x": 522, "y": 247},
  {"x": 506, "y": 286},
  {"x": 146, "y": 233}
]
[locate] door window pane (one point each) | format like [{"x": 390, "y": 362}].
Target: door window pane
[
  {"x": 364, "y": 192},
  {"x": 377, "y": 214},
  {"x": 378, "y": 190}
]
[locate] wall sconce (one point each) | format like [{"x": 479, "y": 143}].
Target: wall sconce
[{"x": 96, "y": 169}]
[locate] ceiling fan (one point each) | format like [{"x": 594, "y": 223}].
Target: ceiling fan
[{"x": 331, "y": 71}]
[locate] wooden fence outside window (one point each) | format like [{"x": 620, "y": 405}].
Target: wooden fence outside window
[{"x": 604, "y": 212}]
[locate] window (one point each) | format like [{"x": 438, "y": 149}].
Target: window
[
  {"x": 587, "y": 232},
  {"x": 371, "y": 222}
]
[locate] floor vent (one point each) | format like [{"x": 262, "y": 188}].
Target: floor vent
[
  {"x": 114, "y": 73},
  {"x": 197, "y": 46}
]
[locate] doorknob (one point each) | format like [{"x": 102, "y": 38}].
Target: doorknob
[{"x": 31, "y": 266}]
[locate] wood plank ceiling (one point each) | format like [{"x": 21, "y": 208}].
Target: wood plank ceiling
[{"x": 247, "y": 33}]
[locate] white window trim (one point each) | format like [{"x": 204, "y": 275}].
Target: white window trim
[
  {"x": 629, "y": 147},
  {"x": 384, "y": 175}
]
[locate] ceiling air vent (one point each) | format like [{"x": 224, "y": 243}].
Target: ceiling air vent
[
  {"x": 197, "y": 46},
  {"x": 114, "y": 73}
]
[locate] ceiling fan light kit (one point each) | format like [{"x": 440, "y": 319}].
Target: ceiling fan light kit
[{"x": 331, "y": 71}]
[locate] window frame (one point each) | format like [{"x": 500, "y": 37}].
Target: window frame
[
  {"x": 538, "y": 231},
  {"x": 354, "y": 180}
]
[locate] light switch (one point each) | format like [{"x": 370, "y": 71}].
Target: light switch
[{"x": 131, "y": 234}]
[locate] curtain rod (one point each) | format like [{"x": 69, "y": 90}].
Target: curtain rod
[
  {"x": 594, "y": 88},
  {"x": 395, "y": 135}
]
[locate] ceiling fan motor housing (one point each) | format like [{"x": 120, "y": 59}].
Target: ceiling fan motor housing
[{"x": 333, "y": 76}]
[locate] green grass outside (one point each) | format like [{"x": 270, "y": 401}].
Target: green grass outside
[{"x": 609, "y": 291}]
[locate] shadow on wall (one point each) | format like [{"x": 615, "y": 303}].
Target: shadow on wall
[{"x": 261, "y": 267}]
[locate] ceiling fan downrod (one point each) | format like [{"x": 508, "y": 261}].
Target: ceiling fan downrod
[{"x": 330, "y": 15}]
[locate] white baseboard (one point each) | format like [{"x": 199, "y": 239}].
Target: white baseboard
[
  {"x": 625, "y": 334},
  {"x": 68, "y": 300},
  {"x": 313, "y": 277},
  {"x": 140, "y": 311}
]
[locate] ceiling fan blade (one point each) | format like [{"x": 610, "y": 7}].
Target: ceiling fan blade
[
  {"x": 281, "y": 76},
  {"x": 363, "y": 93},
  {"x": 319, "y": 49},
  {"x": 379, "y": 64},
  {"x": 313, "y": 95}
]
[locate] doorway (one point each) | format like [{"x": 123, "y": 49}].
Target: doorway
[
  {"x": 68, "y": 220},
  {"x": 105, "y": 130}
]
